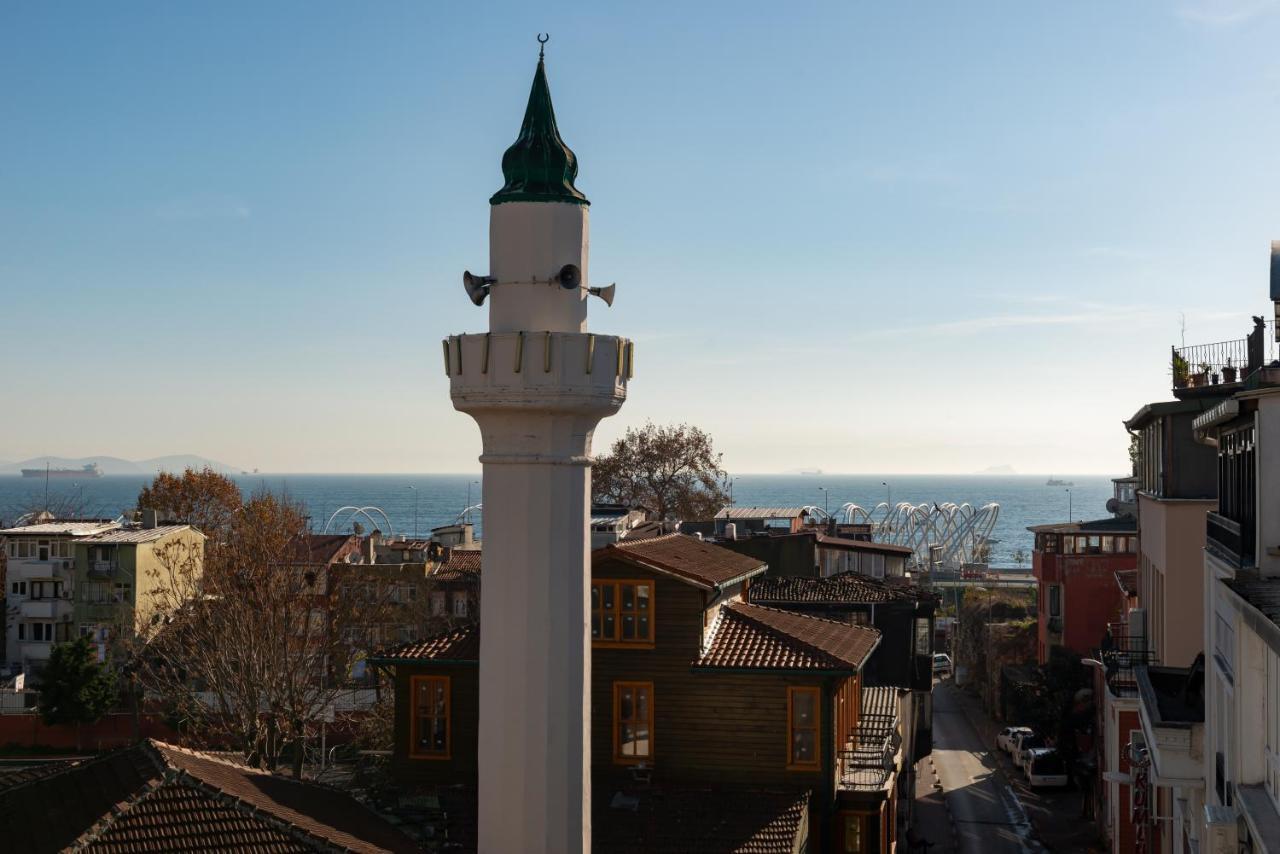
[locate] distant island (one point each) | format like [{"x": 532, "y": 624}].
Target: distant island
[
  {"x": 1001, "y": 469},
  {"x": 116, "y": 465}
]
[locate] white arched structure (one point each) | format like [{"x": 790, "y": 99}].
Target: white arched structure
[
  {"x": 959, "y": 532},
  {"x": 465, "y": 515},
  {"x": 366, "y": 512}
]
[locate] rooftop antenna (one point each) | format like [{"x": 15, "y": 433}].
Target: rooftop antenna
[{"x": 543, "y": 38}]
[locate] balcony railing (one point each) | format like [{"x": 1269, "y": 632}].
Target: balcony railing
[
  {"x": 103, "y": 568},
  {"x": 868, "y": 759},
  {"x": 1229, "y": 540},
  {"x": 1121, "y": 655},
  {"x": 1196, "y": 365}
]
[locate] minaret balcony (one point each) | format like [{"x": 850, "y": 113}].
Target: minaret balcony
[{"x": 553, "y": 372}]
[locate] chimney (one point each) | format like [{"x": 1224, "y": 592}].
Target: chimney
[{"x": 150, "y": 517}]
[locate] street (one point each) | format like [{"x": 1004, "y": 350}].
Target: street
[{"x": 987, "y": 813}]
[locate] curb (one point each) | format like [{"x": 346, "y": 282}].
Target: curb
[{"x": 946, "y": 804}]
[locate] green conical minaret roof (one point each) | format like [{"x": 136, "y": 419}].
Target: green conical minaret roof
[{"x": 539, "y": 167}]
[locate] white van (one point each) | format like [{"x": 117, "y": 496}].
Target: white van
[{"x": 1045, "y": 768}]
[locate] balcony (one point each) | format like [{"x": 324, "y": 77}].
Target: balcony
[
  {"x": 1121, "y": 656},
  {"x": 1200, "y": 366},
  {"x": 99, "y": 569},
  {"x": 1229, "y": 541},
  {"x": 39, "y": 609}
]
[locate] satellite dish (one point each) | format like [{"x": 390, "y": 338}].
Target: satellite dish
[
  {"x": 477, "y": 287},
  {"x": 605, "y": 293},
  {"x": 569, "y": 277}
]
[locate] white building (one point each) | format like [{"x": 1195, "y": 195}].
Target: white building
[
  {"x": 39, "y": 610},
  {"x": 1241, "y": 756},
  {"x": 537, "y": 383}
]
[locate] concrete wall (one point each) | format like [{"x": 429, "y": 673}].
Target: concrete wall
[{"x": 1171, "y": 541}]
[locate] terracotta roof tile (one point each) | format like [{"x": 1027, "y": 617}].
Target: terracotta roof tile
[
  {"x": 754, "y": 637},
  {"x": 462, "y": 644},
  {"x": 157, "y": 797},
  {"x": 840, "y": 589},
  {"x": 461, "y": 565},
  {"x": 692, "y": 560}
]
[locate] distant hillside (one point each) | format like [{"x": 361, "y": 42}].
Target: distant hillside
[
  {"x": 1002, "y": 469},
  {"x": 116, "y": 465}
]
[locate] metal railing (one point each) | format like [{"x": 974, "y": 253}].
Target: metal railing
[
  {"x": 1229, "y": 540},
  {"x": 868, "y": 759},
  {"x": 1201, "y": 365},
  {"x": 1121, "y": 655}
]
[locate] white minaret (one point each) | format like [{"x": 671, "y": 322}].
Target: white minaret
[{"x": 537, "y": 384}]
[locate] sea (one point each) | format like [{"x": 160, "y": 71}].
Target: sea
[{"x": 413, "y": 504}]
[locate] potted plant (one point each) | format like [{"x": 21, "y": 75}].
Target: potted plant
[
  {"x": 1229, "y": 372},
  {"x": 1180, "y": 371},
  {"x": 1200, "y": 378}
]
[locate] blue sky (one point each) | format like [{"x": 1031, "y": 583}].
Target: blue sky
[{"x": 890, "y": 237}]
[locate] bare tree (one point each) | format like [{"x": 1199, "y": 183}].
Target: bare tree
[
  {"x": 258, "y": 647},
  {"x": 672, "y": 470}
]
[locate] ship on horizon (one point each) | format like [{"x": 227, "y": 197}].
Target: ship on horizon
[
  {"x": 1053, "y": 481},
  {"x": 89, "y": 470}
]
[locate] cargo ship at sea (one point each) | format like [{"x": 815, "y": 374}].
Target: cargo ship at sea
[{"x": 90, "y": 470}]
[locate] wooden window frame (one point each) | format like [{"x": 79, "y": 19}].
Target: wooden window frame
[
  {"x": 617, "y": 642},
  {"x": 816, "y": 764},
  {"x": 414, "y": 753},
  {"x": 618, "y": 758}
]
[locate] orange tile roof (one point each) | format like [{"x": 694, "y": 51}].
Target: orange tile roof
[
  {"x": 694, "y": 561},
  {"x": 462, "y": 644},
  {"x": 753, "y": 637},
  {"x": 840, "y": 589},
  {"x": 159, "y": 797}
]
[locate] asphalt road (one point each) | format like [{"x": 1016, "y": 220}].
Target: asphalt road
[{"x": 989, "y": 818}]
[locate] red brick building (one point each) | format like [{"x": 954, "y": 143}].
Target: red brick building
[{"x": 1075, "y": 564}]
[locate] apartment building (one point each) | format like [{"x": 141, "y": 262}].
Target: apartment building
[
  {"x": 1177, "y": 485},
  {"x": 39, "y": 600},
  {"x": 1076, "y": 564},
  {"x": 115, "y": 572}
]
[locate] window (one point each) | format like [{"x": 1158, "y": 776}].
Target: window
[
  {"x": 124, "y": 592},
  {"x": 1068, "y": 545},
  {"x": 860, "y": 618},
  {"x": 40, "y": 632},
  {"x": 1055, "y": 600},
  {"x": 46, "y": 589},
  {"x": 430, "y": 718},
  {"x": 924, "y": 639},
  {"x": 20, "y": 588},
  {"x": 855, "y": 831},
  {"x": 437, "y": 603},
  {"x": 22, "y": 631},
  {"x": 459, "y": 604},
  {"x": 622, "y": 612},
  {"x": 632, "y": 721},
  {"x": 802, "y": 727},
  {"x": 94, "y": 591}
]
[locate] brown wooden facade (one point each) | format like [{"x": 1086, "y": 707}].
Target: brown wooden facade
[{"x": 701, "y": 725}]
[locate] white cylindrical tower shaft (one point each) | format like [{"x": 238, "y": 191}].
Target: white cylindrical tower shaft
[{"x": 537, "y": 384}]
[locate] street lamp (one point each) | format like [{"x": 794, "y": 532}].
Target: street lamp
[
  {"x": 825, "y": 496},
  {"x": 888, "y": 493},
  {"x": 469, "y": 485},
  {"x": 415, "y": 511},
  {"x": 1070, "y": 514}
]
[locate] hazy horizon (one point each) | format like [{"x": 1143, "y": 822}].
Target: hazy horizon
[{"x": 854, "y": 237}]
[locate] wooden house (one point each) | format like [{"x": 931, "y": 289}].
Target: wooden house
[{"x": 694, "y": 690}]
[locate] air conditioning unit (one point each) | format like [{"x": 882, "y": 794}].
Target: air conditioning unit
[{"x": 1220, "y": 835}]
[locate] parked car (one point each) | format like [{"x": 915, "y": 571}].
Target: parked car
[
  {"x": 1027, "y": 742},
  {"x": 1006, "y": 737},
  {"x": 941, "y": 663},
  {"x": 1045, "y": 767}
]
